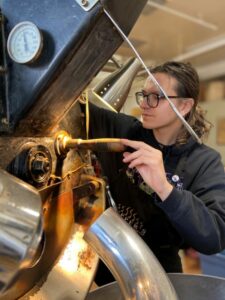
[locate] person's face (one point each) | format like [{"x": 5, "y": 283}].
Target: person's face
[{"x": 163, "y": 115}]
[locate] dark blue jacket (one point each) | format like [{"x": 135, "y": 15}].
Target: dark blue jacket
[{"x": 194, "y": 213}]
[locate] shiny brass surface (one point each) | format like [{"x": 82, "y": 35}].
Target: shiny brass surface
[{"x": 64, "y": 143}]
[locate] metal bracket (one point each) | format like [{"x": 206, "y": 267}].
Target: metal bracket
[{"x": 87, "y": 4}]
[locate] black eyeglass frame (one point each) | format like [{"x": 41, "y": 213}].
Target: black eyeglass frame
[{"x": 147, "y": 96}]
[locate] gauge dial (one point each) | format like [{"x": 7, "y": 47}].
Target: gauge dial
[{"x": 24, "y": 43}]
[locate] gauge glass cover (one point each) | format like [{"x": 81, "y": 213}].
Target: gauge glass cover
[{"x": 24, "y": 42}]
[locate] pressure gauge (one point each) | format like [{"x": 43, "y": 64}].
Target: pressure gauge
[{"x": 24, "y": 43}]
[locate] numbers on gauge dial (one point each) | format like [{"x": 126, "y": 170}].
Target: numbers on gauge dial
[{"x": 24, "y": 42}]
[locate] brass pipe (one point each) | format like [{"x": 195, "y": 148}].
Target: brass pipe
[
  {"x": 100, "y": 145},
  {"x": 64, "y": 143}
]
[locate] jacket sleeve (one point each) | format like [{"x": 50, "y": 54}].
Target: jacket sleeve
[
  {"x": 198, "y": 214},
  {"x": 106, "y": 123}
]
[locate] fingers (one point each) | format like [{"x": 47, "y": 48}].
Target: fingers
[
  {"x": 132, "y": 159},
  {"x": 135, "y": 163},
  {"x": 135, "y": 144},
  {"x": 129, "y": 156},
  {"x": 137, "y": 158},
  {"x": 144, "y": 155}
]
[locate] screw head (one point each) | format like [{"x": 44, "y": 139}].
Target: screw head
[{"x": 84, "y": 2}]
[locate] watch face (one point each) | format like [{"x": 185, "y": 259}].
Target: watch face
[{"x": 24, "y": 43}]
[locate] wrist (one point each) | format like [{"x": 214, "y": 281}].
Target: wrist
[{"x": 165, "y": 191}]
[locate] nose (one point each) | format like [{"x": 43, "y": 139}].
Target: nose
[{"x": 143, "y": 104}]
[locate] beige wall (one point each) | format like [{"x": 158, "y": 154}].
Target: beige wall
[{"x": 215, "y": 111}]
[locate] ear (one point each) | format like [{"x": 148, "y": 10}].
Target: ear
[{"x": 186, "y": 106}]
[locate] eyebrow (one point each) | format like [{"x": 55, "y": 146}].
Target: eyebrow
[{"x": 152, "y": 92}]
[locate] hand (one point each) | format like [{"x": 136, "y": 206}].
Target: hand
[{"x": 149, "y": 163}]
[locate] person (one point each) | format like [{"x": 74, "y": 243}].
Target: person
[{"x": 166, "y": 185}]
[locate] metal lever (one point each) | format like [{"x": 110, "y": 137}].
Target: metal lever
[{"x": 64, "y": 143}]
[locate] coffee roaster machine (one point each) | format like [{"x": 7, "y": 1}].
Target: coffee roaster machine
[{"x": 50, "y": 192}]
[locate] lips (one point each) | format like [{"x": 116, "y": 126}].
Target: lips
[{"x": 144, "y": 115}]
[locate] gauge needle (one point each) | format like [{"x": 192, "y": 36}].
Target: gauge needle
[{"x": 25, "y": 42}]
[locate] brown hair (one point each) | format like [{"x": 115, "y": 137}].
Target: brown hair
[{"x": 187, "y": 87}]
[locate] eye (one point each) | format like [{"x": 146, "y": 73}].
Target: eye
[{"x": 155, "y": 96}]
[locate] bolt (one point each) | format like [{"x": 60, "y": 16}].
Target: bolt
[
  {"x": 40, "y": 165},
  {"x": 84, "y": 2}
]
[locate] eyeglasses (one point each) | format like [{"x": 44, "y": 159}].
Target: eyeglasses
[{"x": 152, "y": 99}]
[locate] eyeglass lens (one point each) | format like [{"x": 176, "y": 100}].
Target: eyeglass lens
[{"x": 151, "y": 99}]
